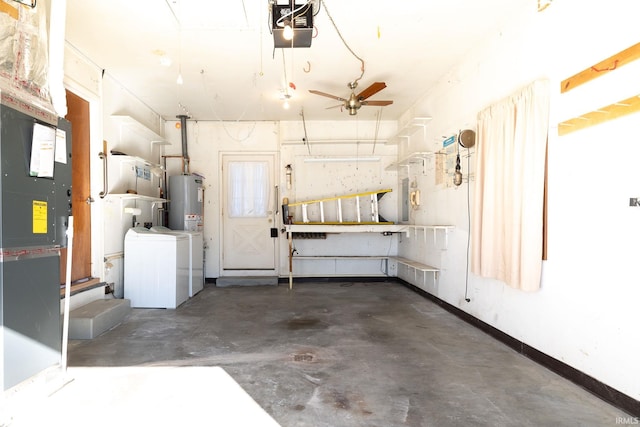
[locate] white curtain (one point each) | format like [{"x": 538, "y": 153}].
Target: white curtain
[
  {"x": 248, "y": 189},
  {"x": 507, "y": 232}
]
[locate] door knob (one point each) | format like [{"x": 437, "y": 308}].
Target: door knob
[{"x": 90, "y": 200}]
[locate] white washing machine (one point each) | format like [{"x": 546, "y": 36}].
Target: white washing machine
[
  {"x": 156, "y": 268},
  {"x": 196, "y": 256}
]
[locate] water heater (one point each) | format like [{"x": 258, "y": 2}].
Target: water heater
[{"x": 186, "y": 196}]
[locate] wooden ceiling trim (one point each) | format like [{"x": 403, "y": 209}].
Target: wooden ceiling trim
[
  {"x": 9, "y": 10},
  {"x": 601, "y": 68},
  {"x": 610, "y": 112}
]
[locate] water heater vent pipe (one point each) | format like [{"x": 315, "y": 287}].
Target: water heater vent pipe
[{"x": 185, "y": 155}]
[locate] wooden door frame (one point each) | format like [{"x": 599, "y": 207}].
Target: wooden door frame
[
  {"x": 221, "y": 202},
  {"x": 81, "y": 186},
  {"x": 95, "y": 146}
]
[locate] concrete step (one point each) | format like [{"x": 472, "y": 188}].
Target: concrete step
[
  {"x": 247, "y": 281},
  {"x": 98, "y": 316}
]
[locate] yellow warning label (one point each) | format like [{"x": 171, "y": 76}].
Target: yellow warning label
[{"x": 39, "y": 217}]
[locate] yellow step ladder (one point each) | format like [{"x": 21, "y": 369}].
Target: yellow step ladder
[{"x": 373, "y": 216}]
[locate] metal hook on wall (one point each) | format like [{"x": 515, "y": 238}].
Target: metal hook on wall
[{"x": 31, "y": 4}]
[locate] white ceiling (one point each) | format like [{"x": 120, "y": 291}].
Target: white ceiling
[{"x": 225, "y": 53}]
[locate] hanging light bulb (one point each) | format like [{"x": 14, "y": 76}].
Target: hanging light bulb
[
  {"x": 179, "y": 80},
  {"x": 457, "y": 176},
  {"x": 288, "y": 172},
  {"x": 287, "y": 31},
  {"x": 285, "y": 97}
]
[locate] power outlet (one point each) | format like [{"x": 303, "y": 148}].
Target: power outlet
[{"x": 633, "y": 201}]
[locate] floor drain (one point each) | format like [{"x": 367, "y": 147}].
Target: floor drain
[{"x": 304, "y": 357}]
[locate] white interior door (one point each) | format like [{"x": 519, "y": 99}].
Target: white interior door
[{"x": 248, "y": 217}]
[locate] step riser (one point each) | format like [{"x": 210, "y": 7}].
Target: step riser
[
  {"x": 222, "y": 282},
  {"x": 91, "y": 320}
]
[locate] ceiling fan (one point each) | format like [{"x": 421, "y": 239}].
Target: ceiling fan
[{"x": 354, "y": 102}]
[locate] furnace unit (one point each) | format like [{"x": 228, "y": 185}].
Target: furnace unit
[{"x": 35, "y": 204}]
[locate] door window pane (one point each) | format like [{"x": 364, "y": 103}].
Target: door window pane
[{"x": 248, "y": 189}]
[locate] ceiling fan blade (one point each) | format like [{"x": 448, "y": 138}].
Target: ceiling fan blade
[
  {"x": 371, "y": 90},
  {"x": 317, "y": 92},
  {"x": 377, "y": 103}
]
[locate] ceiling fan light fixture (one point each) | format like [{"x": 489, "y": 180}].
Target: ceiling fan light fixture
[
  {"x": 285, "y": 97},
  {"x": 354, "y": 102}
]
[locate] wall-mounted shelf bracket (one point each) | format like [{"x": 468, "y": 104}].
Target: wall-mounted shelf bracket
[
  {"x": 411, "y": 127},
  {"x": 137, "y": 197},
  {"x": 417, "y": 229},
  {"x": 418, "y": 158},
  {"x": 416, "y": 267}
]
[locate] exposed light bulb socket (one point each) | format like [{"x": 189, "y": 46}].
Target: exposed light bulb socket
[
  {"x": 457, "y": 176},
  {"x": 287, "y": 31}
]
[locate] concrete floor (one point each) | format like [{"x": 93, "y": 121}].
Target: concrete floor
[{"x": 346, "y": 354}]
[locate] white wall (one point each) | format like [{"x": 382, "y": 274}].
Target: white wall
[
  {"x": 361, "y": 169},
  {"x": 585, "y": 314},
  {"x": 207, "y": 140}
]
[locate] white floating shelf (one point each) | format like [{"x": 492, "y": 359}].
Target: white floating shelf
[
  {"x": 419, "y": 158},
  {"x": 328, "y": 228},
  {"x": 130, "y": 196},
  {"x": 416, "y": 267},
  {"x": 129, "y": 123},
  {"x": 409, "y": 129},
  {"x": 133, "y": 159},
  {"x": 333, "y": 141}
]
